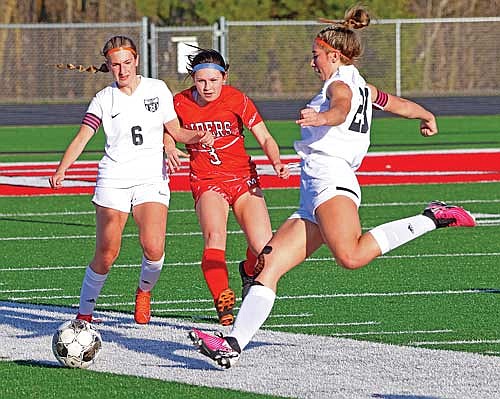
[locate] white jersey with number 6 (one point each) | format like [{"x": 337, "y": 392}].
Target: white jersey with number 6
[
  {"x": 133, "y": 126},
  {"x": 349, "y": 140}
]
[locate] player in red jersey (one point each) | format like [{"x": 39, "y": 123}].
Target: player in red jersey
[{"x": 223, "y": 175}]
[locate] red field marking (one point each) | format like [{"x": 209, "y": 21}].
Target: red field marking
[{"x": 377, "y": 169}]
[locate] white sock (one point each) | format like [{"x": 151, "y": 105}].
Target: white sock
[
  {"x": 394, "y": 234},
  {"x": 150, "y": 273},
  {"x": 254, "y": 311},
  {"x": 91, "y": 287}
]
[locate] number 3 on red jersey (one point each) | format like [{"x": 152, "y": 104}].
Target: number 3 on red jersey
[{"x": 214, "y": 158}]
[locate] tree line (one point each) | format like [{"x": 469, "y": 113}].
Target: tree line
[{"x": 203, "y": 12}]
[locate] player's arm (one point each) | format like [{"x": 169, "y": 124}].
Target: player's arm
[
  {"x": 340, "y": 96},
  {"x": 186, "y": 136},
  {"x": 405, "y": 108},
  {"x": 270, "y": 148},
  {"x": 172, "y": 153},
  {"x": 71, "y": 154}
]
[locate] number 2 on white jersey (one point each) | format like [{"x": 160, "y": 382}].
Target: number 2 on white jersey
[{"x": 360, "y": 122}]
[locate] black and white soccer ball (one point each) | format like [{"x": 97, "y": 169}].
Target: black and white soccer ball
[{"x": 76, "y": 344}]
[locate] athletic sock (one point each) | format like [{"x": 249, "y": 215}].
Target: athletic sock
[
  {"x": 213, "y": 265},
  {"x": 250, "y": 262},
  {"x": 91, "y": 288},
  {"x": 394, "y": 234},
  {"x": 150, "y": 273},
  {"x": 254, "y": 311}
]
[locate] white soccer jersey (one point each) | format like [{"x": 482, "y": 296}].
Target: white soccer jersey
[
  {"x": 133, "y": 126},
  {"x": 349, "y": 140}
]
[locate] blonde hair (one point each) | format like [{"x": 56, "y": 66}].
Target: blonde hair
[
  {"x": 341, "y": 35},
  {"x": 116, "y": 42}
]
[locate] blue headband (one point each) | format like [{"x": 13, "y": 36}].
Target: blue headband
[{"x": 196, "y": 68}]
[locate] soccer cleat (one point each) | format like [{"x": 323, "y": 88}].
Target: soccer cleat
[
  {"x": 225, "y": 352},
  {"x": 224, "y": 306},
  {"x": 246, "y": 280},
  {"x": 444, "y": 215},
  {"x": 142, "y": 313}
]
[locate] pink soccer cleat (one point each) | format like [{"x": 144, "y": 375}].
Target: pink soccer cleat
[
  {"x": 444, "y": 215},
  {"x": 225, "y": 352}
]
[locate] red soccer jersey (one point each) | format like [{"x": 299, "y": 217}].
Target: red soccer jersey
[{"x": 225, "y": 118}]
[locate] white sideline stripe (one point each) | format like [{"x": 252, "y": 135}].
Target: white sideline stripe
[
  {"x": 354, "y": 334},
  {"x": 326, "y": 367},
  {"x": 295, "y": 156},
  {"x": 197, "y": 263},
  {"x": 465, "y": 342},
  {"x": 354, "y": 323},
  {"x": 434, "y": 173}
]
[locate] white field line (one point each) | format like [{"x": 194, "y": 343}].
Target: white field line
[
  {"x": 211, "y": 309},
  {"x": 31, "y": 290},
  {"x": 291, "y": 207},
  {"x": 354, "y": 334},
  {"x": 283, "y": 297},
  {"x": 485, "y": 222},
  {"x": 354, "y": 323},
  {"x": 29, "y": 298},
  {"x": 460, "y": 342},
  {"x": 229, "y": 262}
]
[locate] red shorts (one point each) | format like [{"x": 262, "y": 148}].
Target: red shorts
[{"x": 229, "y": 187}]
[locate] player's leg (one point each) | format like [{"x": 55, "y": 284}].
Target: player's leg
[
  {"x": 294, "y": 241},
  {"x": 251, "y": 213},
  {"x": 291, "y": 244},
  {"x": 338, "y": 220},
  {"x": 212, "y": 210},
  {"x": 109, "y": 227},
  {"x": 151, "y": 220}
]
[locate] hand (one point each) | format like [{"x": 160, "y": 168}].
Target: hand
[
  {"x": 309, "y": 117},
  {"x": 428, "y": 127},
  {"x": 205, "y": 138},
  {"x": 281, "y": 170},
  {"x": 173, "y": 158},
  {"x": 56, "y": 180}
]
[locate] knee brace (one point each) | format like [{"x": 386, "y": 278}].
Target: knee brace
[{"x": 261, "y": 260}]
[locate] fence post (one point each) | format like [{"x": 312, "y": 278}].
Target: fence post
[
  {"x": 398, "y": 58},
  {"x": 144, "y": 50},
  {"x": 153, "y": 47},
  {"x": 222, "y": 37}
]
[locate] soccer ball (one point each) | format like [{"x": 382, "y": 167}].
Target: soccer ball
[{"x": 76, "y": 344}]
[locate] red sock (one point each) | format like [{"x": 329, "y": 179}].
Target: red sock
[
  {"x": 249, "y": 264},
  {"x": 213, "y": 265}
]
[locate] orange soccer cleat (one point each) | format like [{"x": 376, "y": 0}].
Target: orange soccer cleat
[{"x": 142, "y": 313}]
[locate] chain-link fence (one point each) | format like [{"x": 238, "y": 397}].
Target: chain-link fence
[
  {"x": 29, "y": 54},
  {"x": 269, "y": 60}
]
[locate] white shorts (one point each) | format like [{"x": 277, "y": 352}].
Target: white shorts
[
  {"x": 322, "y": 178},
  {"x": 124, "y": 199}
]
